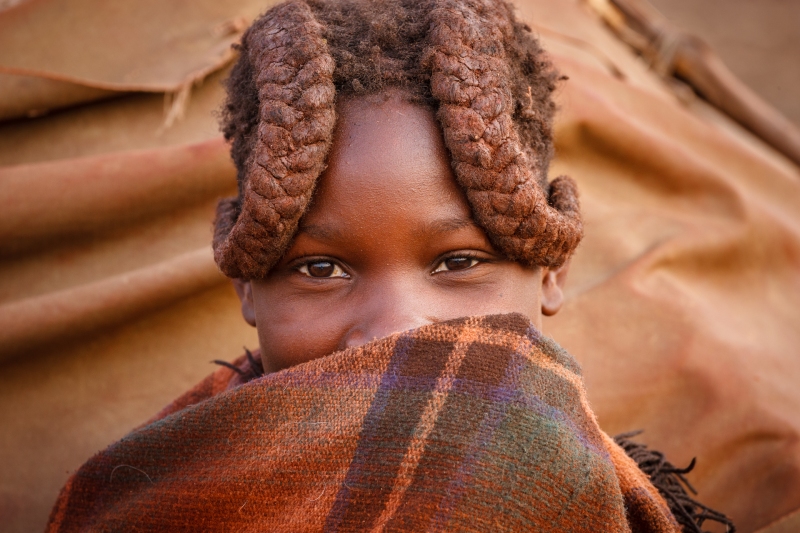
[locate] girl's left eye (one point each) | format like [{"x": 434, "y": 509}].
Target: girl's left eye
[
  {"x": 322, "y": 269},
  {"x": 456, "y": 263}
]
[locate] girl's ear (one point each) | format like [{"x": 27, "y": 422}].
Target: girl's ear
[
  {"x": 553, "y": 281},
  {"x": 245, "y": 294}
]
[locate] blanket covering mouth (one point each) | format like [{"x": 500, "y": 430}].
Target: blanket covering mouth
[{"x": 476, "y": 424}]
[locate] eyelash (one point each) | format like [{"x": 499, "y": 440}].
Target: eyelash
[
  {"x": 303, "y": 268},
  {"x": 458, "y": 255}
]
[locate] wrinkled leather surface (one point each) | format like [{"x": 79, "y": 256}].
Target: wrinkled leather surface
[
  {"x": 681, "y": 303},
  {"x": 146, "y": 45}
]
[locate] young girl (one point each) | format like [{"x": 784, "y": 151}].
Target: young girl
[{"x": 395, "y": 241}]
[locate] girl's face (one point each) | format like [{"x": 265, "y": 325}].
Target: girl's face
[{"x": 388, "y": 244}]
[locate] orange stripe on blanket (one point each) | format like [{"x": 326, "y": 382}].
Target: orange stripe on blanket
[{"x": 443, "y": 386}]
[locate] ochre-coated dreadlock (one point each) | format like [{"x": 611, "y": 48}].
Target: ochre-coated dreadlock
[{"x": 482, "y": 71}]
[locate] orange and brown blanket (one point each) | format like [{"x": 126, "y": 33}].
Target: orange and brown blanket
[{"x": 477, "y": 424}]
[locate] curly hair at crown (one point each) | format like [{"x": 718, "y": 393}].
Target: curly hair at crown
[{"x": 470, "y": 60}]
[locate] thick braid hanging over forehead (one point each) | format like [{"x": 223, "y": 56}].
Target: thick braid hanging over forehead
[
  {"x": 470, "y": 59},
  {"x": 470, "y": 79},
  {"x": 292, "y": 70}
]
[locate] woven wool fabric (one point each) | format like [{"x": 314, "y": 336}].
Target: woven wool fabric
[{"x": 477, "y": 424}]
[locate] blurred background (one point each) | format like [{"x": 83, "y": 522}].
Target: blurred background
[
  {"x": 759, "y": 41},
  {"x": 681, "y": 301}
]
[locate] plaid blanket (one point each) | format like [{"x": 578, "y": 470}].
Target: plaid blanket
[{"x": 477, "y": 424}]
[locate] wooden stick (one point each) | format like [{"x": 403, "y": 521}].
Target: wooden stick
[{"x": 674, "y": 53}]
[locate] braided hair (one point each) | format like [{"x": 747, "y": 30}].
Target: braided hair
[{"x": 482, "y": 71}]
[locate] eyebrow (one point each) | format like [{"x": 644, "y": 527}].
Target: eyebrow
[
  {"x": 322, "y": 232},
  {"x": 436, "y": 227},
  {"x": 446, "y": 225}
]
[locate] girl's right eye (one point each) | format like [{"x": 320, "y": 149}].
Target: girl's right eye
[{"x": 322, "y": 269}]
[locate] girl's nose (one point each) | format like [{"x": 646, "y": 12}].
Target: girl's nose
[{"x": 395, "y": 308}]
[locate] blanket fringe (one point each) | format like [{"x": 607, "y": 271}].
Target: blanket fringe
[
  {"x": 252, "y": 370},
  {"x": 670, "y": 482}
]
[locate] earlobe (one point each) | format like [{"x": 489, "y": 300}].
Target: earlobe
[
  {"x": 245, "y": 293},
  {"x": 553, "y": 281}
]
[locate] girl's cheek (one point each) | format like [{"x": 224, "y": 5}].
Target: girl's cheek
[{"x": 290, "y": 342}]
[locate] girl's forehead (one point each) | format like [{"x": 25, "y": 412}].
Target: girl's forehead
[
  {"x": 388, "y": 157},
  {"x": 386, "y": 133}
]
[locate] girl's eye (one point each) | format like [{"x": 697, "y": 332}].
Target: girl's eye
[
  {"x": 322, "y": 269},
  {"x": 456, "y": 263}
]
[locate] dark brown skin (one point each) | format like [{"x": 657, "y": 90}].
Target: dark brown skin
[{"x": 388, "y": 244}]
